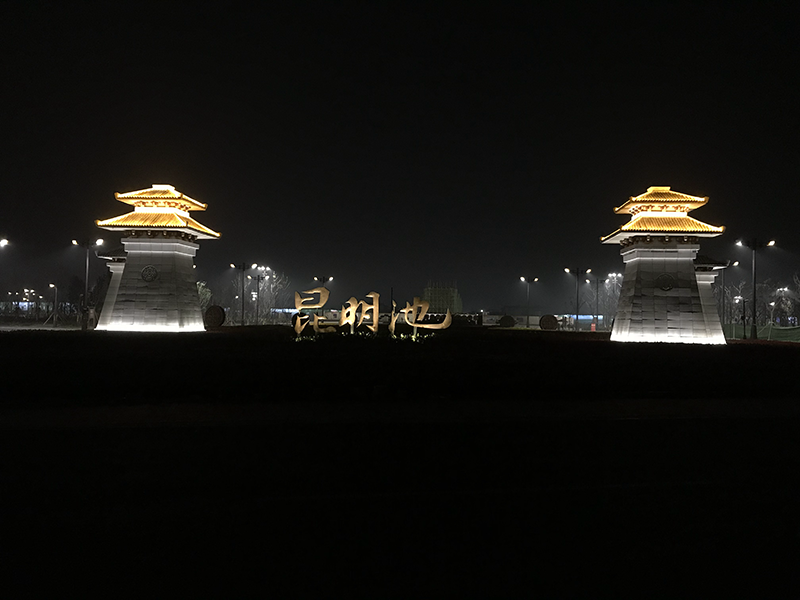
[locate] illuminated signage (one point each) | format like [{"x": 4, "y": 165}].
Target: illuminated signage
[{"x": 356, "y": 312}]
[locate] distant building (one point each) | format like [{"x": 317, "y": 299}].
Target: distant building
[{"x": 443, "y": 297}]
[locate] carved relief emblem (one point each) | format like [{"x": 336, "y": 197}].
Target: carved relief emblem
[
  {"x": 149, "y": 273},
  {"x": 665, "y": 281}
]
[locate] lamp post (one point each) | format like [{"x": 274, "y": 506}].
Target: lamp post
[
  {"x": 30, "y": 296},
  {"x": 577, "y": 289},
  {"x": 86, "y": 245},
  {"x": 324, "y": 280},
  {"x": 754, "y": 244},
  {"x": 259, "y": 278},
  {"x": 596, "y": 318},
  {"x": 3, "y": 244},
  {"x": 612, "y": 281},
  {"x": 782, "y": 295},
  {"x": 741, "y": 299},
  {"x": 527, "y": 282},
  {"x": 722, "y": 276},
  {"x": 243, "y": 267},
  {"x": 55, "y": 304}
]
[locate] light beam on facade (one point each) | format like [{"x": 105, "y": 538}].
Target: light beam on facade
[
  {"x": 666, "y": 292},
  {"x": 153, "y": 285}
]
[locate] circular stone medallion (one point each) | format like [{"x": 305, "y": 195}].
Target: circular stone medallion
[
  {"x": 665, "y": 281},
  {"x": 149, "y": 273}
]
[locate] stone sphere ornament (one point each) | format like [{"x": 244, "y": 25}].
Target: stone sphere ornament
[
  {"x": 214, "y": 316},
  {"x": 548, "y": 322}
]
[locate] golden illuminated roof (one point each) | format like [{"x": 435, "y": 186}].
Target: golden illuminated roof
[
  {"x": 160, "y": 194},
  {"x": 160, "y": 207},
  {"x": 672, "y": 225},
  {"x": 676, "y": 223},
  {"x": 660, "y": 198},
  {"x": 159, "y": 220},
  {"x": 661, "y": 211}
]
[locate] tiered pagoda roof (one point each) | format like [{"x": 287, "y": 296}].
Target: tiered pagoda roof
[
  {"x": 160, "y": 207},
  {"x": 661, "y": 211}
]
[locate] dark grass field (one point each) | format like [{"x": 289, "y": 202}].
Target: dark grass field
[
  {"x": 476, "y": 464},
  {"x": 265, "y": 365}
]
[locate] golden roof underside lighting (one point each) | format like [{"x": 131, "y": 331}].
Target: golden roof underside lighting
[
  {"x": 160, "y": 207},
  {"x": 671, "y": 224},
  {"x": 675, "y": 225},
  {"x": 141, "y": 219},
  {"x": 660, "y": 198},
  {"x": 161, "y": 195},
  {"x": 661, "y": 211}
]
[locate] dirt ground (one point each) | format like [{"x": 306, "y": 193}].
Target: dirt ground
[{"x": 481, "y": 464}]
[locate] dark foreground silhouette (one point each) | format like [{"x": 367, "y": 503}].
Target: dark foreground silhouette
[{"x": 477, "y": 464}]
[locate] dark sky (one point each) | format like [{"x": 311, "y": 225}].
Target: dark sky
[{"x": 392, "y": 144}]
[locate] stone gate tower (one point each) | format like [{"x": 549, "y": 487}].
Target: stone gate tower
[
  {"x": 666, "y": 295},
  {"x": 153, "y": 287}
]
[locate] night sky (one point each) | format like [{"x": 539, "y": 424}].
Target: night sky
[{"x": 393, "y": 144}]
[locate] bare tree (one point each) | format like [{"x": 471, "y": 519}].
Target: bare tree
[
  {"x": 205, "y": 295},
  {"x": 269, "y": 292},
  {"x": 601, "y": 296},
  {"x": 609, "y": 297},
  {"x": 782, "y": 301},
  {"x": 232, "y": 300},
  {"x": 262, "y": 293}
]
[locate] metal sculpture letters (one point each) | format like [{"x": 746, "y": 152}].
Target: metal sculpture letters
[{"x": 356, "y": 312}]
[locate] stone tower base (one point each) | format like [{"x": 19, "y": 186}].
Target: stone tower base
[
  {"x": 663, "y": 299},
  {"x": 156, "y": 290}
]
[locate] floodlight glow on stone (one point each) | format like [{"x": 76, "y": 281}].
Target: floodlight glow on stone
[
  {"x": 666, "y": 295},
  {"x": 153, "y": 285}
]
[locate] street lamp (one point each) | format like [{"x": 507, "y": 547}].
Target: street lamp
[
  {"x": 781, "y": 295},
  {"x": 754, "y": 244},
  {"x": 741, "y": 299},
  {"x": 87, "y": 245},
  {"x": 324, "y": 280},
  {"x": 3, "y": 243},
  {"x": 259, "y": 278},
  {"x": 55, "y": 304},
  {"x": 612, "y": 282},
  {"x": 243, "y": 267},
  {"x": 527, "y": 282},
  {"x": 596, "y": 318},
  {"x": 577, "y": 289},
  {"x": 722, "y": 276}
]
